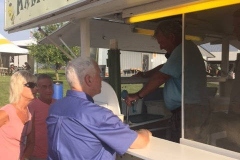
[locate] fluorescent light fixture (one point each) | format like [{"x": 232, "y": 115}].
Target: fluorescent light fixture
[
  {"x": 193, "y": 38},
  {"x": 150, "y": 32},
  {"x": 182, "y": 9},
  {"x": 143, "y": 31}
]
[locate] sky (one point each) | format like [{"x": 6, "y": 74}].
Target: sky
[{"x": 21, "y": 35}]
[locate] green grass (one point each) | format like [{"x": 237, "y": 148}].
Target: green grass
[
  {"x": 4, "y": 85},
  {"x": 5, "y": 80},
  {"x": 131, "y": 88},
  {"x": 4, "y": 90}
]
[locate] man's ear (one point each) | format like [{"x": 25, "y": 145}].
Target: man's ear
[{"x": 88, "y": 80}]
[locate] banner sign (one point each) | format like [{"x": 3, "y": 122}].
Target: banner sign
[{"x": 21, "y": 11}]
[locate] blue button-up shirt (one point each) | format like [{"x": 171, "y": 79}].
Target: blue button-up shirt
[{"x": 80, "y": 129}]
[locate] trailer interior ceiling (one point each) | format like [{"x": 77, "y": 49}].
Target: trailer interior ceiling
[
  {"x": 204, "y": 23},
  {"x": 211, "y": 25}
]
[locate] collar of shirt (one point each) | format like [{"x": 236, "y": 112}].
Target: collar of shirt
[{"x": 79, "y": 94}]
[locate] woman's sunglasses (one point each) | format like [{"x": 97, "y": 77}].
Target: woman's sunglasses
[{"x": 30, "y": 84}]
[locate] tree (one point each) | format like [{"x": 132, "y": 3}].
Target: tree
[{"x": 48, "y": 53}]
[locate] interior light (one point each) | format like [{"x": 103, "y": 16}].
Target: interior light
[
  {"x": 150, "y": 32},
  {"x": 182, "y": 9},
  {"x": 143, "y": 31},
  {"x": 193, "y": 38}
]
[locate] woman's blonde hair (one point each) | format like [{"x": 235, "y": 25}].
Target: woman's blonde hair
[{"x": 17, "y": 81}]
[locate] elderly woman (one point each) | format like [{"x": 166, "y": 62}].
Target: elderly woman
[{"x": 15, "y": 116}]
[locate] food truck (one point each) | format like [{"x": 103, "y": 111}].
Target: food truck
[{"x": 129, "y": 25}]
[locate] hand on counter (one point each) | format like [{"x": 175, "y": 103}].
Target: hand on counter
[
  {"x": 142, "y": 139},
  {"x": 145, "y": 130}
]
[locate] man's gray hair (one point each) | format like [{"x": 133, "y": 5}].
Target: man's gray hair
[
  {"x": 168, "y": 27},
  {"x": 43, "y": 76},
  {"x": 78, "y": 68}
]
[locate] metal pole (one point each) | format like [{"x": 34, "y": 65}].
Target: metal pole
[
  {"x": 225, "y": 58},
  {"x": 223, "y": 86},
  {"x": 113, "y": 63},
  {"x": 85, "y": 37}
]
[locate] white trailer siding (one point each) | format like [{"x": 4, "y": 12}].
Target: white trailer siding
[{"x": 133, "y": 60}]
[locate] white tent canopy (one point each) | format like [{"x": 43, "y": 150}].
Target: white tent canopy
[
  {"x": 25, "y": 43},
  {"x": 7, "y": 49}
]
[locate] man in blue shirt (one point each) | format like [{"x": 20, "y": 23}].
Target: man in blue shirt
[
  {"x": 169, "y": 37},
  {"x": 79, "y": 129}
]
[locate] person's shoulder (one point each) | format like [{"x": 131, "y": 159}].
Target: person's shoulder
[
  {"x": 53, "y": 100},
  {"x": 3, "y": 117},
  {"x": 190, "y": 45},
  {"x": 3, "y": 113},
  {"x": 34, "y": 104},
  {"x": 89, "y": 106},
  {"x": 97, "y": 115},
  {"x": 94, "y": 110},
  {"x": 7, "y": 107},
  {"x": 177, "y": 52},
  {"x": 34, "y": 101},
  {"x": 102, "y": 111}
]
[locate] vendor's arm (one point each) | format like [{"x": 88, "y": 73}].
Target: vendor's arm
[
  {"x": 142, "y": 139},
  {"x": 154, "y": 82},
  {"x": 3, "y": 118},
  {"x": 149, "y": 73}
]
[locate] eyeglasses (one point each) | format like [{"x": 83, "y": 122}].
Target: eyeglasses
[{"x": 30, "y": 84}]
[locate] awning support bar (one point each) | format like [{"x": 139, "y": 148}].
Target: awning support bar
[
  {"x": 46, "y": 35},
  {"x": 67, "y": 47}
]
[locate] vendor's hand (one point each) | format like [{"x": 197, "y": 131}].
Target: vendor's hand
[
  {"x": 146, "y": 131},
  {"x": 130, "y": 99}
]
